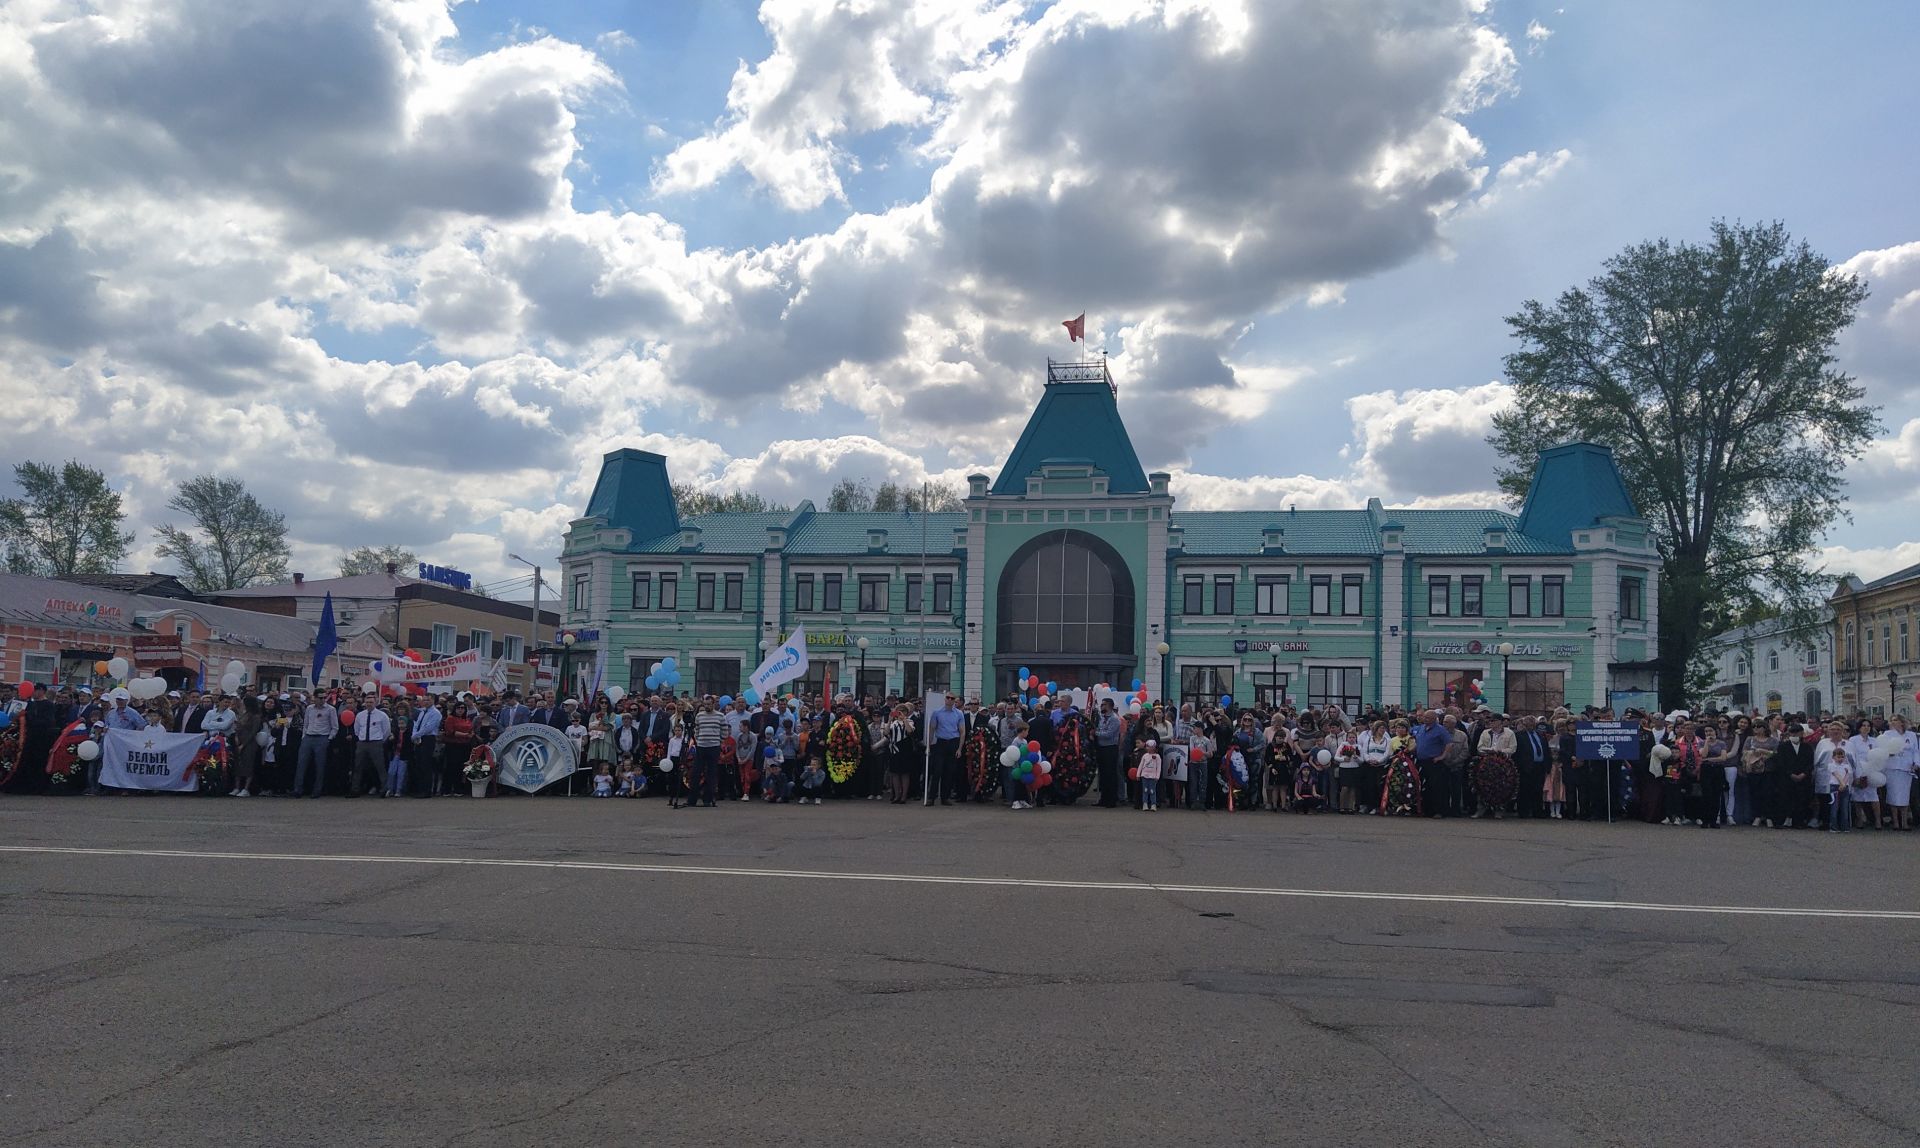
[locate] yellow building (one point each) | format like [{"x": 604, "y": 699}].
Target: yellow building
[{"x": 1875, "y": 668}]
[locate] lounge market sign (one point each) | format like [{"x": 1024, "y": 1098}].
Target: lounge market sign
[{"x": 842, "y": 639}]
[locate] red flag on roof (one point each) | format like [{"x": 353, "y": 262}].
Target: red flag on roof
[{"x": 1076, "y": 328}]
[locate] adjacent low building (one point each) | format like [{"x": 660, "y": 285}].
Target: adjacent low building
[
  {"x": 1873, "y": 623},
  {"x": 1074, "y": 563},
  {"x": 1771, "y": 668}
]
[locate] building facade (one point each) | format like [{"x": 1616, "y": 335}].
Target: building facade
[
  {"x": 1769, "y": 668},
  {"x": 1075, "y": 564},
  {"x": 1876, "y": 670}
]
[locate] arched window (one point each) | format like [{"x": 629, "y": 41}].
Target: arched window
[
  {"x": 1067, "y": 593},
  {"x": 1813, "y": 703},
  {"x": 1773, "y": 660}
]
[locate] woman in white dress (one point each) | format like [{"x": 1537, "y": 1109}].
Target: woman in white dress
[
  {"x": 1866, "y": 795},
  {"x": 1900, "y": 774}
]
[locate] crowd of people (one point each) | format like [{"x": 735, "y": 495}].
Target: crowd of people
[{"x": 1780, "y": 771}]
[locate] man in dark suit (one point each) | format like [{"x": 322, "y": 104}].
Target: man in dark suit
[
  {"x": 543, "y": 710},
  {"x": 513, "y": 712},
  {"x": 560, "y": 717},
  {"x": 1531, "y": 759},
  {"x": 188, "y": 717},
  {"x": 658, "y": 722}
]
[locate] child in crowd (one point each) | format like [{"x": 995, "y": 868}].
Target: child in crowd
[
  {"x": 776, "y": 785},
  {"x": 577, "y": 733},
  {"x": 746, "y": 752},
  {"x": 602, "y": 781},
  {"x": 1149, "y": 768},
  {"x": 630, "y": 783},
  {"x": 1306, "y": 788},
  {"x": 812, "y": 780}
]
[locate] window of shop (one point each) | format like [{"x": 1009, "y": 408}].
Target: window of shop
[
  {"x": 1449, "y": 687},
  {"x": 643, "y": 591},
  {"x": 1535, "y": 691},
  {"x": 481, "y": 640},
  {"x": 703, "y": 592},
  {"x": 736, "y": 592},
  {"x": 873, "y": 593},
  {"x": 514, "y": 649},
  {"x": 40, "y": 669},
  {"x": 1350, "y": 593},
  {"x": 582, "y": 590},
  {"x": 1335, "y": 686},
  {"x": 1470, "y": 597},
  {"x": 1270, "y": 595},
  {"x": 1553, "y": 597},
  {"x": 938, "y": 676},
  {"x": 715, "y": 676},
  {"x": 1630, "y": 604},
  {"x": 873, "y": 683},
  {"x": 1203, "y": 686},
  {"x": 1269, "y": 688},
  {"x": 1813, "y": 703},
  {"x": 830, "y": 596},
  {"x": 803, "y": 593},
  {"x": 443, "y": 640},
  {"x": 1320, "y": 601},
  {"x": 669, "y": 591},
  {"x": 1439, "y": 597},
  {"x": 943, "y": 593},
  {"x": 1519, "y": 597},
  {"x": 819, "y": 672},
  {"x": 1223, "y": 594},
  {"x": 1193, "y": 597}
]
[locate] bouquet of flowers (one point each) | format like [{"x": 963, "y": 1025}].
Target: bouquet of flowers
[
  {"x": 843, "y": 749},
  {"x": 479, "y": 763},
  {"x": 210, "y": 764}
]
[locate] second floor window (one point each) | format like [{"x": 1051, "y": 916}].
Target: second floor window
[
  {"x": 582, "y": 590},
  {"x": 1470, "y": 598},
  {"x": 669, "y": 591},
  {"x": 1630, "y": 604},
  {"x": 1321, "y": 599},
  {"x": 1193, "y": 596},
  {"x": 1223, "y": 595},
  {"x": 913, "y": 593},
  {"x": 803, "y": 593},
  {"x": 1439, "y": 597},
  {"x": 703, "y": 592},
  {"x": 943, "y": 593},
  {"x": 1553, "y": 598},
  {"x": 642, "y": 591},
  {"x": 1519, "y": 597},
  {"x": 735, "y": 589},
  {"x": 830, "y": 593},
  {"x": 1270, "y": 595},
  {"x": 1350, "y": 595},
  {"x": 873, "y": 594}
]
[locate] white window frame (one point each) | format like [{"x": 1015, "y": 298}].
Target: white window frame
[
  {"x": 482, "y": 640},
  {"x": 513, "y": 647},
  {"x": 440, "y": 648},
  {"x": 582, "y": 598},
  {"x": 1444, "y": 585},
  {"x": 47, "y": 676}
]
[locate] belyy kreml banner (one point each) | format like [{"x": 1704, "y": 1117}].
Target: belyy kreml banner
[
  {"x": 467, "y": 666},
  {"x": 150, "y": 759},
  {"x": 784, "y": 663}
]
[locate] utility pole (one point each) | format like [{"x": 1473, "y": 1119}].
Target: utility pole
[{"x": 533, "y": 628}]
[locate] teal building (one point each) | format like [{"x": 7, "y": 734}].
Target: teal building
[{"x": 1077, "y": 564}]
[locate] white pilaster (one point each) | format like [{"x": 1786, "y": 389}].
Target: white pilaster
[{"x": 1393, "y": 594}]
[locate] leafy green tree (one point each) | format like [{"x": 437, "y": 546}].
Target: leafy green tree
[
  {"x": 893, "y": 498},
  {"x": 1709, "y": 370},
  {"x": 66, "y": 521},
  {"x": 374, "y": 559},
  {"x": 849, "y": 495},
  {"x": 691, "y": 500},
  {"x": 239, "y": 542}
]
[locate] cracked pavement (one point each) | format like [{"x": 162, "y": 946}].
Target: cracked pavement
[{"x": 180, "y": 1000}]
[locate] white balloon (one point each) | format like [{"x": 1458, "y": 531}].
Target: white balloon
[
  {"x": 123, "y": 693},
  {"x": 1046, "y": 767},
  {"x": 1323, "y": 757},
  {"x": 88, "y": 750},
  {"x": 230, "y": 682},
  {"x": 1010, "y": 756},
  {"x": 1662, "y": 752},
  {"x": 236, "y": 666},
  {"x": 654, "y": 668},
  {"x": 666, "y": 765},
  {"x": 117, "y": 667},
  {"x": 263, "y": 739},
  {"x": 369, "y": 687},
  {"x": 615, "y": 693}
]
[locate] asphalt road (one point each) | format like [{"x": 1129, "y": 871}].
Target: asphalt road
[{"x": 310, "y": 994}]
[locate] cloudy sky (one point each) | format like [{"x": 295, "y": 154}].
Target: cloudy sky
[{"x": 410, "y": 268}]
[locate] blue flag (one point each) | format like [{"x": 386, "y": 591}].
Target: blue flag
[{"x": 325, "y": 640}]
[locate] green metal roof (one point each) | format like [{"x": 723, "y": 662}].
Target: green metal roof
[
  {"x": 1574, "y": 486},
  {"x": 735, "y": 532},
  {"x": 632, "y": 493},
  {"x": 1075, "y": 423},
  {"x": 1353, "y": 532},
  {"x": 846, "y": 533}
]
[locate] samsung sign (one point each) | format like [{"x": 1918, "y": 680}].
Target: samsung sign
[{"x": 446, "y": 576}]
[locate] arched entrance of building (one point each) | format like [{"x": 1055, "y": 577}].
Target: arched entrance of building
[{"x": 1065, "y": 610}]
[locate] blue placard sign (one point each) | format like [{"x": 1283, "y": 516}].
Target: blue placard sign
[
  {"x": 446, "y": 576},
  {"x": 1606, "y": 740}
]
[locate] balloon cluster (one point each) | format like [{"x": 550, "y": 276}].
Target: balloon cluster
[
  {"x": 1475, "y": 696},
  {"x": 1025, "y": 765},
  {"x": 663, "y": 674}
]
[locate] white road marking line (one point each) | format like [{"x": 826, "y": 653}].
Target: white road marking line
[{"x": 999, "y": 882}]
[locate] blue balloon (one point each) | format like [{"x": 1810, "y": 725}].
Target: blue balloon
[
  {"x": 1025, "y": 673},
  {"x": 653, "y": 683},
  {"x": 669, "y": 664},
  {"x": 1053, "y": 687},
  {"x": 1137, "y": 683},
  {"x": 1226, "y": 699},
  {"x": 726, "y": 700},
  {"x": 751, "y": 695},
  {"x": 772, "y": 751}
]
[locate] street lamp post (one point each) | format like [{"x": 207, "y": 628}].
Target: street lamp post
[
  {"x": 533, "y": 627},
  {"x": 1893, "y": 692},
  {"x": 1163, "y": 650},
  {"x": 1505, "y": 650},
  {"x": 860, "y": 686},
  {"x": 566, "y": 661}
]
